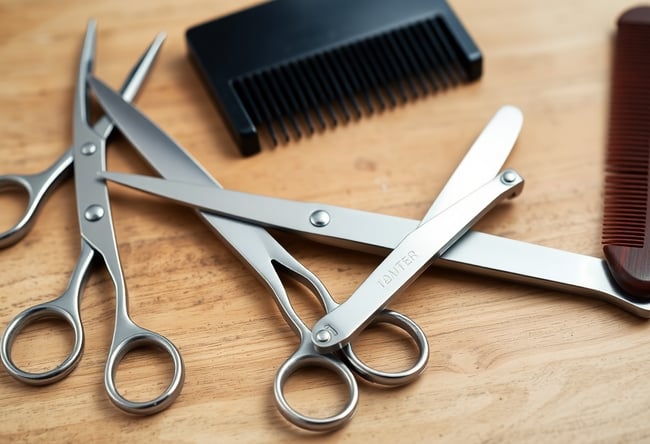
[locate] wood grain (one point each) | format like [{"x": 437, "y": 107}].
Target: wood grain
[{"x": 509, "y": 363}]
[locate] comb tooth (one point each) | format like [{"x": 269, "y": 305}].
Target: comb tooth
[
  {"x": 331, "y": 84},
  {"x": 380, "y": 66},
  {"x": 432, "y": 57},
  {"x": 438, "y": 49},
  {"x": 453, "y": 64},
  {"x": 389, "y": 69},
  {"x": 249, "y": 104},
  {"x": 412, "y": 59},
  {"x": 373, "y": 70},
  {"x": 282, "y": 92},
  {"x": 310, "y": 94},
  {"x": 401, "y": 66},
  {"x": 397, "y": 67},
  {"x": 287, "y": 77},
  {"x": 266, "y": 116},
  {"x": 276, "y": 113},
  {"x": 339, "y": 72},
  {"x": 340, "y": 61},
  {"x": 359, "y": 84},
  {"x": 424, "y": 56},
  {"x": 321, "y": 94}
]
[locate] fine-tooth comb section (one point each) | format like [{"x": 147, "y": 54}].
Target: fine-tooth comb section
[
  {"x": 411, "y": 61},
  {"x": 626, "y": 225},
  {"x": 295, "y": 67}
]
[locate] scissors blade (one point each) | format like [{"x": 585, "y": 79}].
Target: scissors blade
[
  {"x": 483, "y": 160},
  {"x": 408, "y": 260},
  {"x": 133, "y": 82},
  {"x": 157, "y": 148},
  {"x": 342, "y": 225},
  {"x": 431, "y": 239},
  {"x": 86, "y": 60},
  {"x": 298, "y": 217},
  {"x": 475, "y": 252},
  {"x": 446, "y": 221}
]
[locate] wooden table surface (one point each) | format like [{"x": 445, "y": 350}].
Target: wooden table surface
[{"x": 509, "y": 362}]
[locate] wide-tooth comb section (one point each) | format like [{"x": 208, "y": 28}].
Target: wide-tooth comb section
[
  {"x": 294, "y": 66},
  {"x": 626, "y": 222}
]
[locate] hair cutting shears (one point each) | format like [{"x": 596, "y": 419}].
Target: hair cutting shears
[
  {"x": 267, "y": 257},
  {"x": 87, "y": 157}
]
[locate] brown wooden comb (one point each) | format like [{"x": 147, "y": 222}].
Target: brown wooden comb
[{"x": 626, "y": 225}]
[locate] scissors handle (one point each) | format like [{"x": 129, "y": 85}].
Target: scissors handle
[
  {"x": 397, "y": 378},
  {"x": 307, "y": 356},
  {"x": 127, "y": 337},
  {"x": 385, "y": 316},
  {"x": 37, "y": 187},
  {"x": 66, "y": 308}
]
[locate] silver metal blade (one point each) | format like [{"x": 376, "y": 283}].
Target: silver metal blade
[
  {"x": 259, "y": 210},
  {"x": 367, "y": 230},
  {"x": 478, "y": 253},
  {"x": 158, "y": 149},
  {"x": 443, "y": 225},
  {"x": 133, "y": 82},
  {"x": 483, "y": 160},
  {"x": 407, "y": 261},
  {"x": 80, "y": 123}
]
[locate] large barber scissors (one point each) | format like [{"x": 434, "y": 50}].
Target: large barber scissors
[
  {"x": 87, "y": 157},
  {"x": 267, "y": 257}
]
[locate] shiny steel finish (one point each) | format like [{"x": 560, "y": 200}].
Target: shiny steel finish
[
  {"x": 483, "y": 160},
  {"x": 475, "y": 252},
  {"x": 408, "y": 260},
  {"x": 480, "y": 165},
  {"x": 38, "y": 186},
  {"x": 97, "y": 240},
  {"x": 268, "y": 259}
]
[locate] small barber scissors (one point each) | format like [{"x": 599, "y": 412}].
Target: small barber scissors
[
  {"x": 87, "y": 157},
  {"x": 267, "y": 257}
]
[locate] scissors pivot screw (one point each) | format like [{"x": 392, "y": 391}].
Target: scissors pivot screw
[
  {"x": 508, "y": 177},
  {"x": 94, "y": 213},
  {"x": 88, "y": 148},
  {"x": 323, "y": 336},
  {"x": 319, "y": 218}
]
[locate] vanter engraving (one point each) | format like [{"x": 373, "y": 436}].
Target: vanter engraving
[{"x": 399, "y": 266}]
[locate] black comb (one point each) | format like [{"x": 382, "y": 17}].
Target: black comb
[{"x": 298, "y": 65}]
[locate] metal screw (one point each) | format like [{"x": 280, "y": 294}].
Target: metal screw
[
  {"x": 508, "y": 177},
  {"x": 323, "y": 336},
  {"x": 94, "y": 213},
  {"x": 88, "y": 148},
  {"x": 319, "y": 218}
]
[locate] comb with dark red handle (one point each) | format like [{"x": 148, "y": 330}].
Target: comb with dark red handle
[{"x": 626, "y": 222}]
